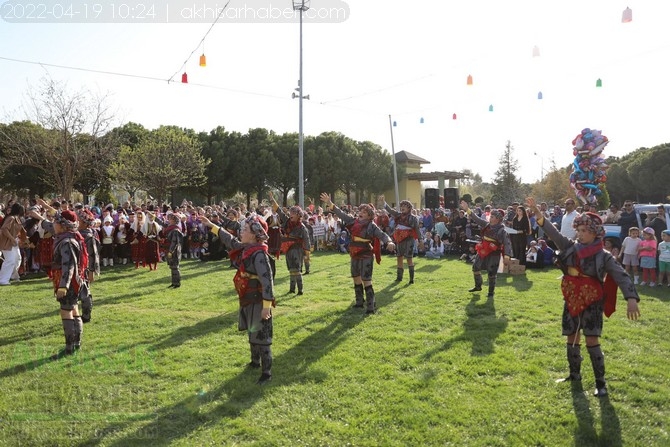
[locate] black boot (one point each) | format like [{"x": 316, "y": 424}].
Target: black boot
[
  {"x": 411, "y": 274},
  {"x": 398, "y": 278},
  {"x": 360, "y": 299},
  {"x": 306, "y": 268},
  {"x": 78, "y": 329},
  {"x": 370, "y": 298},
  {"x": 492, "y": 286},
  {"x": 478, "y": 284},
  {"x": 574, "y": 357},
  {"x": 69, "y": 332},
  {"x": 298, "y": 280},
  {"x": 292, "y": 286},
  {"x": 598, "y": 364},
  {"x": 255, "y": 356},
  {"x": 86, "y": 308},
  {"x": 266, "y": 365}
]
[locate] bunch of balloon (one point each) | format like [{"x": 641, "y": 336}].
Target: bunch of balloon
[{"x": 589, "y": 167}]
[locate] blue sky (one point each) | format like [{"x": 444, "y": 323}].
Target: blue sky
[{"x": 407, "y": 59}]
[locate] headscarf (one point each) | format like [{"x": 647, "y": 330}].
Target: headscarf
[
  {"x": 406, "y": 203},
  {"x": 498, "y": 214},
  {"x": 592, "y": 221},
  {"x": 257, "y": 226},
  {"x": 85, "y": 216},
  {"x": 67, "y": 219}
]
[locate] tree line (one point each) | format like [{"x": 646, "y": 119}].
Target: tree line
[{"x": 67, "y": 145}]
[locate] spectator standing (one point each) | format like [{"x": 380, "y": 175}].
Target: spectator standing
[
  {"x": 567, "y": 219},
  {"x": 627, "y": 219}
]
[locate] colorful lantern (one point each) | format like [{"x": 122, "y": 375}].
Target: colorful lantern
[
  {"x": 395, "y": 124},
  {"x": 453, "y": 117},
  {"x": 491, "y": 108},
  {"x": 421, "y": 121},
  {"x": 539, "y": 95},
  {"x": 536, "y": 51},
  {"x": 203, "y": 60},
  {"x": 469, "y": 79},
  {"x": 627, "y": 15},
  {"x": 184, "y": 78},
  {"x": 599, "y": 83}
]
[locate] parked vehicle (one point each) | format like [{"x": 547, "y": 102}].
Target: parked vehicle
[{"x": 644, "y": 212}]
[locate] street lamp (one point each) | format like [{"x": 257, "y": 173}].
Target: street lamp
[
  {"x": 302, "y": 6},
  {"x": 395, "y": 169},
  {"x": 541, "y": 165}
]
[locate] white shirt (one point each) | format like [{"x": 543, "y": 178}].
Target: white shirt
[{"x": 566, "y": 224}]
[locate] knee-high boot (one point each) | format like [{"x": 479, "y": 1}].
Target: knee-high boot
[
  {"x": 306, "y": 268},
  {"x": 370, "y": 298},
  {"x": 411, "y": 274},
  {"x": 266, "y": 365},
  {"x": 255, "y": 356},
  {"x": 298, "y": 280},
  {"x": 291, "y": 288},
  {"x": 358, "y": 290},
  {"x": 69, "y": 332},
  {"x": 399, "y": 276},
  {"x": 78, "y": 329},
  {"x": 478, "y": 283},
  {"x": 492, "y": 286},
  {"x": 598, "y": 364},
  {"x": 574, "y": 357},
  {"x": 273, "y": 266}
]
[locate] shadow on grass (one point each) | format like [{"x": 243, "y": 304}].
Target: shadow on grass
[
  {"x": 239, "y": 393},
  {"x": 480, "y": 329},
  {"x": 611, "y": 435},
  {"x": 585, "y": 433},
  {"x": 429, "y": 268}
]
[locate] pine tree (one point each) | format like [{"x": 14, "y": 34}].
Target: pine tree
[{"x": 506, "y": 186}]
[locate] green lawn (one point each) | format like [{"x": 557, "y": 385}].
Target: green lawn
[{"x": 435, "y": 366}]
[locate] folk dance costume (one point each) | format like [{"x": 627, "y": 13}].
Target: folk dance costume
[
  {"x": 274, "y": 240},
  {"x": 590, "y": 278},
  {"x": 364, "y": 249},
  {"x": 255, "y": 288},
  {"x": 45, "y": 250},
  {"x": 122, "y": 237},
  {"x": 70, "y": 261},
  {"x": 405, "y": 233},
  {"x": 494, "y": 244},
  {"x": 175, "y": 238},
  {"x": 295, "y": 243},
  {"x": 152, "y": 247},
  {"x": 107, "y": 240},
  {"x": 92, "y": 241}
]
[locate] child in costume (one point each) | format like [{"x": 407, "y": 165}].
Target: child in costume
[
  {"x": 405, "y": 232},
  {"x": 363, "y": 248},
  {"x": 253, "y": 282},
  {"x": 494, "y": 244},
  {"x": 590, "y": 279}
]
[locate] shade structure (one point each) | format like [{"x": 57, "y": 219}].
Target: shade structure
[
  {"x": 203, "y": 60},
  {"x": 599, "y": 83},
  {"x": 184, "y": 78},
  {"x": 469, "y": 81},
  {"x": 627, "y": 15}
]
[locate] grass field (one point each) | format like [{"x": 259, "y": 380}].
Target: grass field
[{"x": 435, "y": 366}]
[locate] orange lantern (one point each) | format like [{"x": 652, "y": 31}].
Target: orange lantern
[
  {"x": 203, "y": 60},
  {"x": 469, "y": 80}
]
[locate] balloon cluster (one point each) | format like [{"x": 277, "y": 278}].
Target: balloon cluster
[{"x": 589, "y": 167}]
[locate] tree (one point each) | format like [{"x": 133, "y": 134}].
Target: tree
[
  {"x": 285, "y": 150},
  {"x": 167, "y": 159},
  {"x": 506, "y": 186},
  {"x": 71, "y": 126}
]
